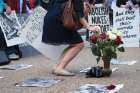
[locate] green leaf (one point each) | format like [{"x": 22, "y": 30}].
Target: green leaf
[
  {"x": 95, "y": 51},
  {"x": 107, "y": 51},
  {"x": 114, "y": 55},
  {"x": 98, "y": 59},
  {"x": 121, "y": 49}
]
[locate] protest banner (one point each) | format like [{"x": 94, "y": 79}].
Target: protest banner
[
  {"x": 10, "y": 27},
  {"x": 127, "y": 21},
  {"x": 32, "y": 32},
  {"x": 100, "y": 16}
]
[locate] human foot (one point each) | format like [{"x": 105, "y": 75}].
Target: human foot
[{"x": 62, "y": 72}]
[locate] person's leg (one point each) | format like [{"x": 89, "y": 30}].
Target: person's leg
[
  {"x": 68, "y": 54},
  {"x": 3, "y": 44},
  {"x": 18, "y": 52}
]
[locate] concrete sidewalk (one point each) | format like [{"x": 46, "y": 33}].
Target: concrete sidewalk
[{"x": 42, "y": 67}]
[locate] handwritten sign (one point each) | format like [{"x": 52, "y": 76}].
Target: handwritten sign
[
  {"x": 127, "y": 21},
  {"x": 32, "y": 31},
  {"x": 100, "y": 16},
  {"x": 10, "y": 27}
]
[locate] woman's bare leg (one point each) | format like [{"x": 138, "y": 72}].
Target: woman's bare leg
[{"x": 68, "y": 54}]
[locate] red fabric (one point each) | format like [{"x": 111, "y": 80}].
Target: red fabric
[
  {"x": 14, "y": 5},
  {"x": 31, "y": 4}
]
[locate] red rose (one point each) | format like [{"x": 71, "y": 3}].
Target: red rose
[
  {"x": 93, "y": 39},
  {"x": 118, "y": 40},
  {"x": 103, "y": 35}
]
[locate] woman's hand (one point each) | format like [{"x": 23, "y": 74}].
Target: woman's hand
[
  {"x": 94, "y": 28},
  {"x": 8, "y": 10},
  {"x": 91, "y": 28}
]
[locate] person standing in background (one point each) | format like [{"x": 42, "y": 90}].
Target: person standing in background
[
  {"x": 12, "y": 52},
  {"x": 103, "y": 2},
  {"x": 128, "y": 4},
  {"x": 109, "y": 5},
  {"x": 8, "y": 11},
  {"x": 43, "y": 3},
  {"x": 3, "y": 6},
  {"x": 20, "y": 6}
]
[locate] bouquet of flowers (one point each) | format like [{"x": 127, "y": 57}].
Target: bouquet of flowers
[{"x": 106, "y": 44}]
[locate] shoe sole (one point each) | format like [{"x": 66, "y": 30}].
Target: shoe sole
[{"x": 59, "y": 74}]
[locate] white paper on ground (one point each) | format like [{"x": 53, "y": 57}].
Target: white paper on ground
[
  {"x": 118, "y": 87},
  {"x": 1, "y": 77},
  {"x": 86, "y": 69},
  {"x": 97, "y": 88},
  {"x": 132, "y": 62},
  {"x": 37, "y": 82},
  {"x": 115, "y": 69},
  {"x": 16, "y": 67},
  {"x": 121, "y": 62}
]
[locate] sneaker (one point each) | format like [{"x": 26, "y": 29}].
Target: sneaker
[{"x": 13, "y": 56}]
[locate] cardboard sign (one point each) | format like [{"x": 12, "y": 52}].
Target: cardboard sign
[
  {"x": 10, "y": 27},
  {"x": 100, "y": 16},
  {"x": 32, "y": 32},
  {"x": 127, "y": 21}
]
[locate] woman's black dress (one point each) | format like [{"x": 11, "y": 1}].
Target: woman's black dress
[{"x": 53, "y": 30}]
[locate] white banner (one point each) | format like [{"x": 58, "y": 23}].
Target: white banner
[
  {"x": 127, "y": 21},
  {"x": 32, "y": 31},
  {"x": 100, "y": 16},
  {"x": 10, "y": 27}
]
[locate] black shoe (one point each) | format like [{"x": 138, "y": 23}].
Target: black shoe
[{"x": 13, "y": 56}]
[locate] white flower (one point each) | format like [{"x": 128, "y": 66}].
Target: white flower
[
  {"x": 118, "y": 33},
  {"x": 98, "y": 28},
  {"x": 112, "y": 36},
  {"x": 109, "y": 33},
  {"x": 114, "y": 30}
]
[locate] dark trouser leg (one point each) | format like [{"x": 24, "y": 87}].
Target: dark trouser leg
[
  {"x": 2, "y": 40},
  {"x": 4, "y": 60},
  {"x": 14, "y": 49}
]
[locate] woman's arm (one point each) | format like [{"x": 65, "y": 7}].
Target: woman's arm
[
  {"x": 78, "y": 7},
  {"x": 91, "y": 28},
  {"x": 8, "y": 8}
]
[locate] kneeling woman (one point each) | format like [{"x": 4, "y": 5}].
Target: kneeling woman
[{"x": 55, "y": 33}]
